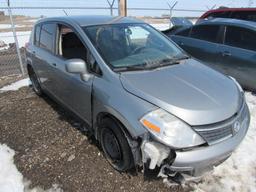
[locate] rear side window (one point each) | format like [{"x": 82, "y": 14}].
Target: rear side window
[
  {"x": 240, "y": 37},
  {"x": 37, "y": 35},
  {"x": 224, "y": 14},
  {"x": 47, "y": 36},
  {"x": 205, "y": 32},
  {"x": 244, "y": 15}
]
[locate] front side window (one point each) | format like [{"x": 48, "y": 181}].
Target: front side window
[
  {"x": 132, "y": 45},
  {"x": 241, "y": 38},
  {"x": 47, "y": 36},
  {"x": 71, "y": 47},
  {"x": 205, "y": 32}
]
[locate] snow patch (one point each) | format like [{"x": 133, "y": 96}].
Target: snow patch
[
  {"x": 161, "y": 26},
  {"x": 23, "y": 37},
  {"x": 10, "y": 177},
  {"x": 11, "y": 180},
  {"x": 238, "y": 173},
  {"x": 16, "y": 86}
]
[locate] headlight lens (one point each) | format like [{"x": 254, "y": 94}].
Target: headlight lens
[{"x": 170, "y": 130}]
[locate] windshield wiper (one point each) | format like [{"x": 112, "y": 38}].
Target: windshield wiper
[
  {"x": 181, "y": 57},
  {"x": 131, "y": 67}
]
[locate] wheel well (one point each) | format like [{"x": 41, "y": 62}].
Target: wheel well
[
  {"x": 133, "y": 142},
  {"x": 104, "y": 115}
]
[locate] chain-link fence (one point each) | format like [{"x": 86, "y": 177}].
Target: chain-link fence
[{"x": 25, "y": 17}]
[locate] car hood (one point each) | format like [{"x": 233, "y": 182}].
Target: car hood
[{"x": 191, "y": 91}]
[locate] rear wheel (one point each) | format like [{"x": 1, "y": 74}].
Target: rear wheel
[
  {"x": 34, "y": 80},
  {"x": 115, "y": 145}
]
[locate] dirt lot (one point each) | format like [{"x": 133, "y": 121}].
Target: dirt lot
[{"x": 51, "y": 150}]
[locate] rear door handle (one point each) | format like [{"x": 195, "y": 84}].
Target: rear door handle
[
  {"x": 54, "y": 64},
  {"x": 226, "y": 54}
]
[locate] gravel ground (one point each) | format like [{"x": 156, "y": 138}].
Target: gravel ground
[{"x": 51, "y": 150}]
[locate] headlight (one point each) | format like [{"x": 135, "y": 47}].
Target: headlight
[{"x": 170, "y": 130}]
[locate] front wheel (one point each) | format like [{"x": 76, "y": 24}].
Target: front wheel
[{"x": 115, "y": 145}]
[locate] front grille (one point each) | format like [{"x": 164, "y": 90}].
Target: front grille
[
  {"x": 218, "y": 132},
  {"x": 215, "y": 135}
]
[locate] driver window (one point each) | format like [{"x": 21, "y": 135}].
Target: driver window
[{"x": 70, "y": 46}]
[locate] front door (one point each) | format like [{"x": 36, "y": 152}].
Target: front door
[{"x": 71, "y": 90}]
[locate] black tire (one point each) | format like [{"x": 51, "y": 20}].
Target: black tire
[
  {"x": 115, "y": 145},
  {"x": 34, "y": 80}
]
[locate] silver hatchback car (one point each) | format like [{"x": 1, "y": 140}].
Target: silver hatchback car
[{"x": 145, "y": 101}]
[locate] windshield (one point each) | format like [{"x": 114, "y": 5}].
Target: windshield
[{"x": 137, "y": 46}]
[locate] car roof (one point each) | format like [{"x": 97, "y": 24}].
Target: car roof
[
  {"x": 229, "y": 22},
  {"x": 88, "y": 20},
  {"x": 227, "y": 10}
]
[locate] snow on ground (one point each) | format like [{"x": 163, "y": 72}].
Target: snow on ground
[
  {"x": 161, "y": 26},
  {"x": 10, "y": 177},
  {"x": 16, "y": 85},
  {"x": 8, "y": 26},
  {"x": 22, "y": 36},
  {"x": 238, "y": 173},
  {"x": 11, "y": 180}
]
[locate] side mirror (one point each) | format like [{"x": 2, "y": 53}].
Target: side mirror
[{"x": 77, "y": 66}]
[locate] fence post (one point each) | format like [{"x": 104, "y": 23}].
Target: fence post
[
  {"x": 15, "y": 38},
  {"x": 122, "y": 8}
]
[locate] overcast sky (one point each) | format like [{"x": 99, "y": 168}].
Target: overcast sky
[{"x": 182, "y": 4}]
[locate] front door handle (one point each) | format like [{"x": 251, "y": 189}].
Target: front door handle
[
  {"x": 54, "y": 64},
  {"x": 226, "y": 54}
]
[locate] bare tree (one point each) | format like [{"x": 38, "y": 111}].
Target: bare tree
[
  {"x": 111, "y": 4},
  {"x": 250, "y": 3},
  {"x": 171, "y": 7},
  {"x": 210, "y": 8}
]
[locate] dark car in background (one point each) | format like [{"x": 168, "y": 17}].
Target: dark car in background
[
  {"x": 248, "y": 14},
  {"x": 227, "y": 45}
]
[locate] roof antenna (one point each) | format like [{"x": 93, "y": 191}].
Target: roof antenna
[{"x": 65, "y": 12}]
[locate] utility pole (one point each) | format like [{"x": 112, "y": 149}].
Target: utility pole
[
  {"x": 122, "y": 8},
  {"x": 111, "y": 6},
  {"x": 171, "y": 7},
  {"x": 15, "y": 37}
]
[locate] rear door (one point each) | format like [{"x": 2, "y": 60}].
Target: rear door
[
  {"x": 238, "y": 54},
  {"x": 43, "y": 54},
  {"x": 201, "y": 43},
  {"x": 71, "y": 90}
]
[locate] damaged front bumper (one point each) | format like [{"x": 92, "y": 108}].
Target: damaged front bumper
[{"x": 194, "y": 162}]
